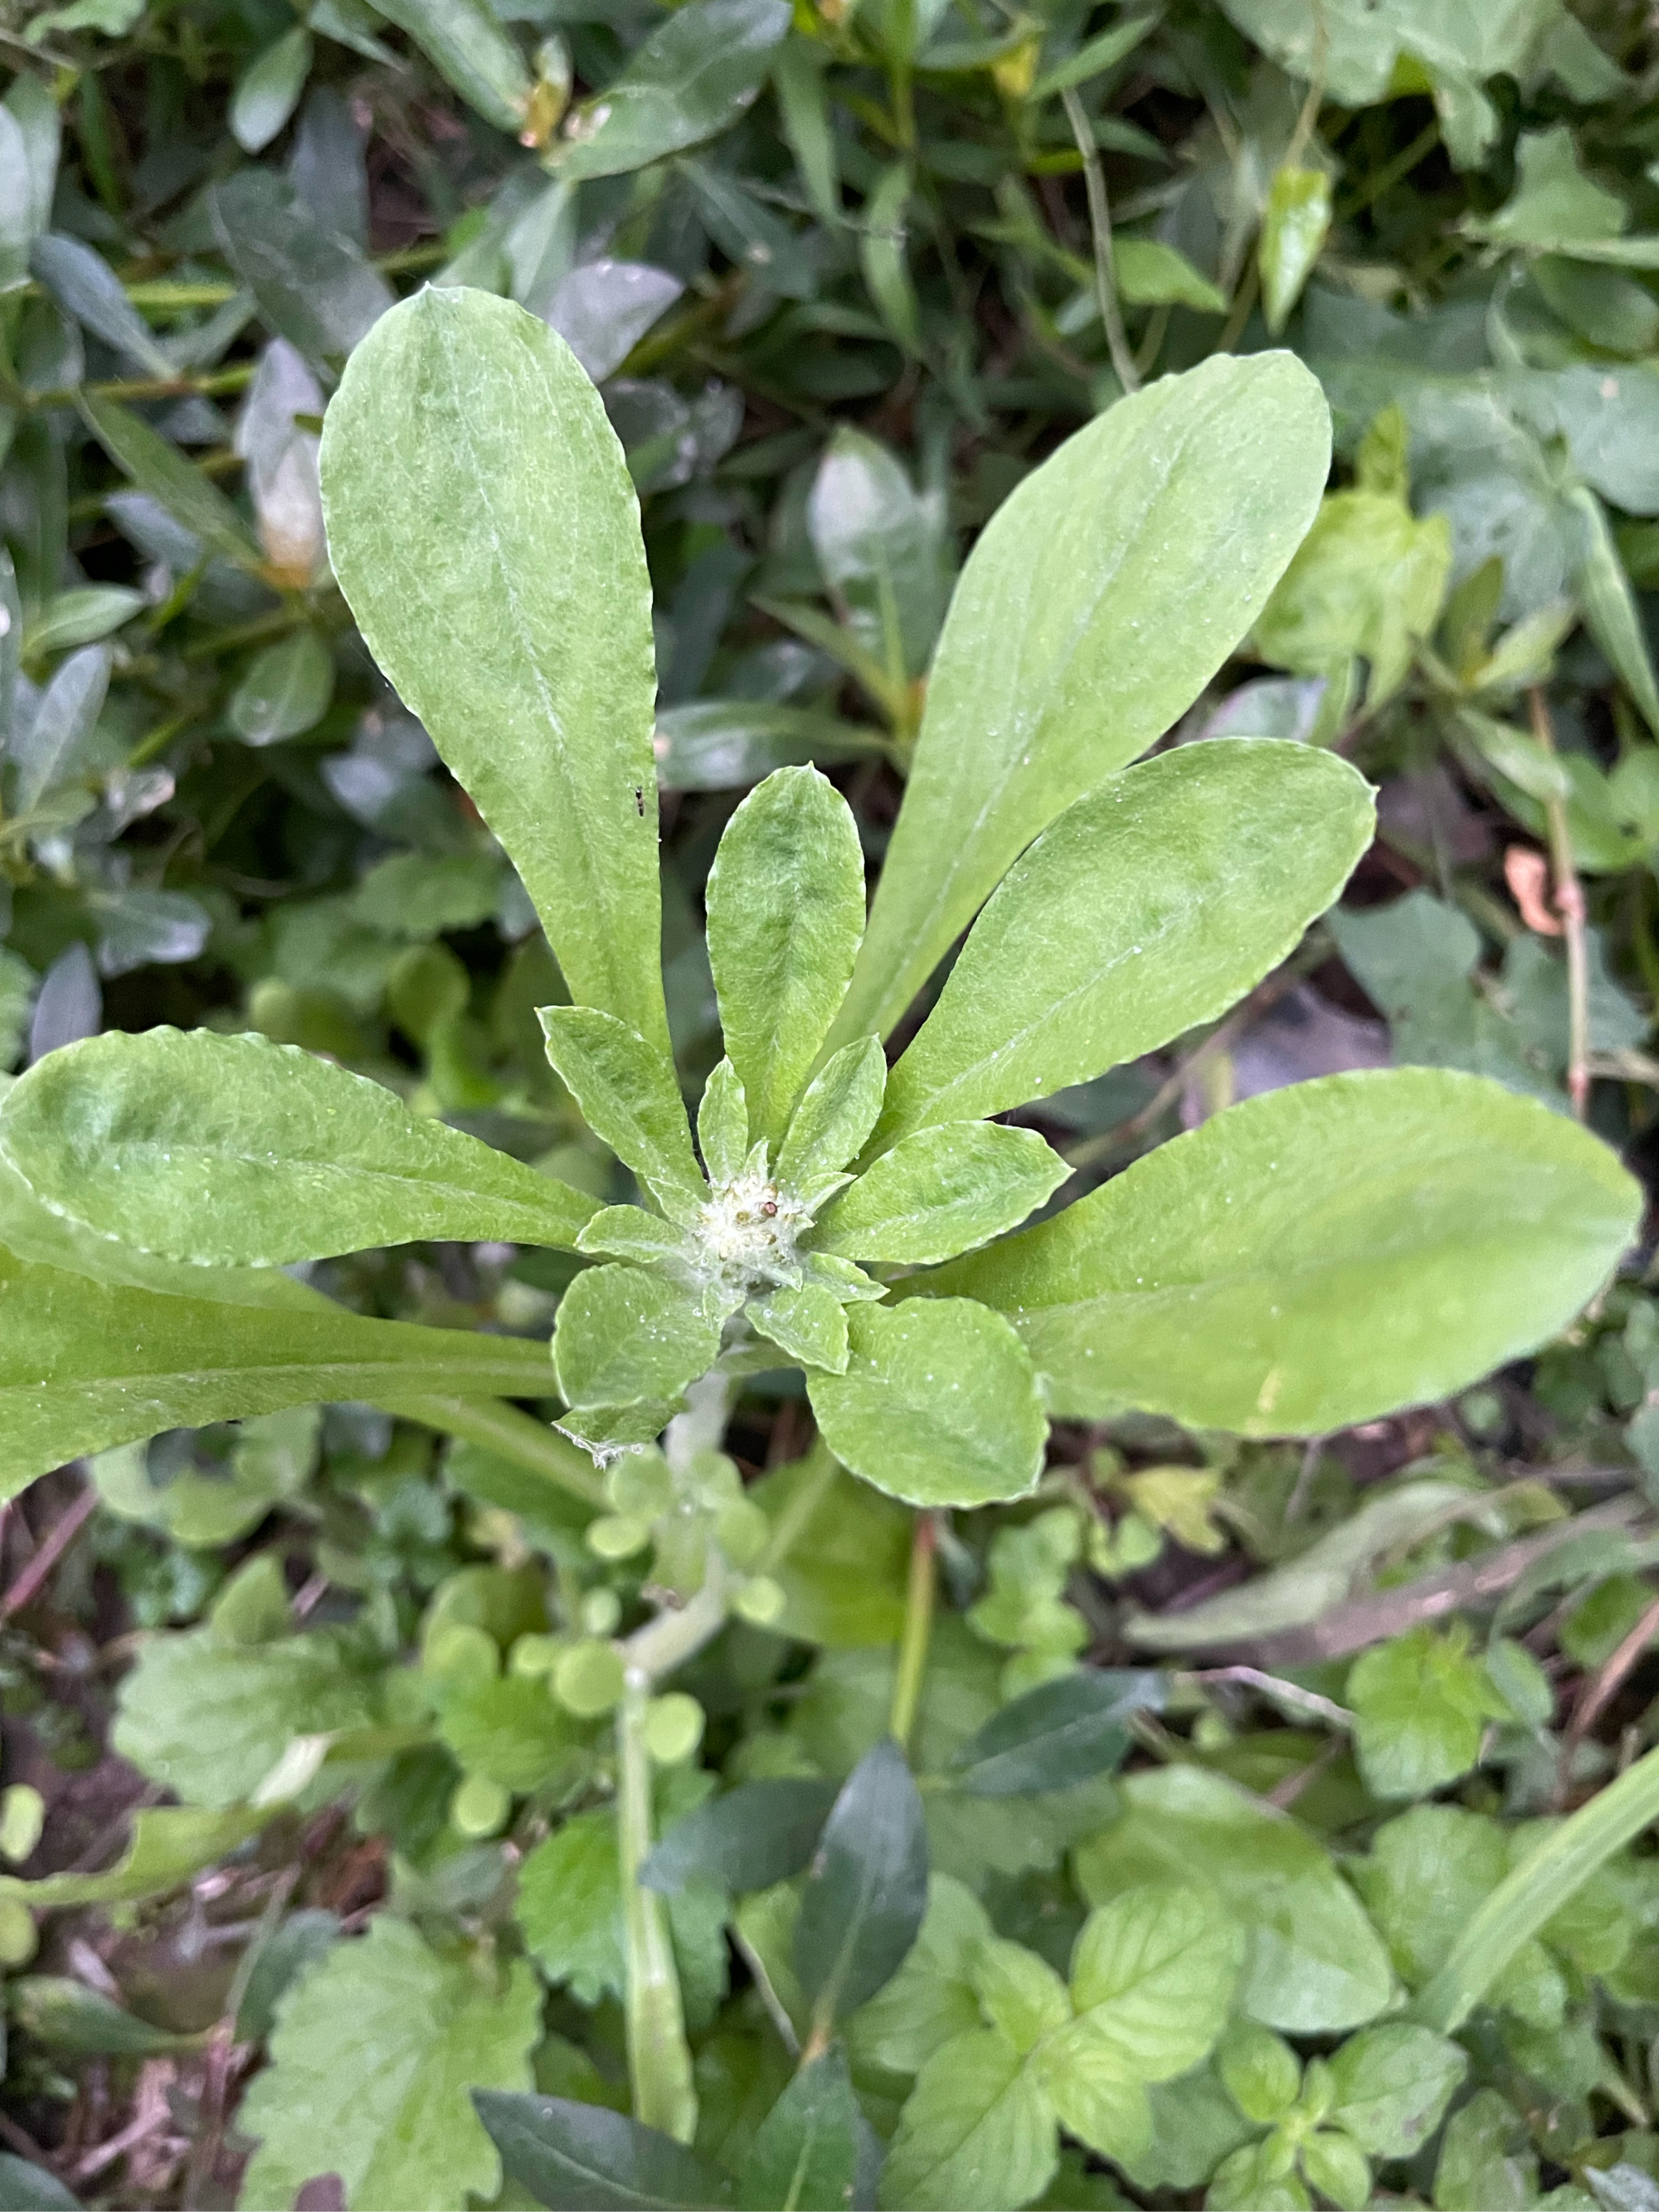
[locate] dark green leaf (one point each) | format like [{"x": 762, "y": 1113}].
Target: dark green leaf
[
  {"x": 759, "y": 1833},
  {"x": 580, "y": 2158},
  {"x": 867, "y": 1889},
  {"x": 805, "y": 2157},
  {"x": 1057, "y": 1735}
]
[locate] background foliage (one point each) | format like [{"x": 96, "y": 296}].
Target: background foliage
[{"x": 843, "y": 278}]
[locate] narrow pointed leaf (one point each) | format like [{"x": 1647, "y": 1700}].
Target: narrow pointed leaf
[
  {"x": 584, "y": 2158},
  {"x": 63, "y": 719},
  {"x": 235, "y": 1152},
  {"x": 85, "y": 1364},
  {"x": 867, "y": 1889},
  {"x": 831, "y": 1124},
  {"x": 627, "y": 1092},
  {"x": 804, "y": 2156},
  {"x": 1057, "y": 1735},
  {"x": 786, "y": 913},
  {"x": 942, "y": 1191},
  {"x": 693, "y": 76},
  {"x": 1097, "y": 603},
  {"x": 162, "y": 470},
  {"x": 755, "y": 1835},
  {"x": 1147, "y": 908},
  {"x": 313, "y": 286},
  {"x": 938, "y": 1404},
  {"x": 1317, "y": 1256},
  {"x": 464, "y": 424},
  {"x": 466, "y": 45}
]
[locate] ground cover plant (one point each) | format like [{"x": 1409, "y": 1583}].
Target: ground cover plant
[{"x": 627, "y": 1597}]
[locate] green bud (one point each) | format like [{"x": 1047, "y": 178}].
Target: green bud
[
  {"x": 640, "y": 1486},
  {"x": 456, "y": 1651},
  {"x": 480, "y": 1807},
  {"x": 760, "y": 1601},
  {"x": 588, "y": 1679},
  {"x": 1261, "y": 2071},
  {"x": 1318, "y": 2093},
  {"x": 17, "y": 1935},
  {"x": 744, "y": 1531},
  {"x": 673, "y": 1728},
  {"x": 534, "y": 1654},
  {"x": 22, "y": 1816},
  {"x": 618, "y": 1536},
  {"x": 601, "y": 1610},
  {"x": 715, "y": 1479}
]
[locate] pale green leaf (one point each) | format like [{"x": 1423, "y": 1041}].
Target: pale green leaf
[
  {"x": 1312, "y": 1961},
  {"x": 1094, "y": 2100},
  {"x": 809, "y": 1324},
  {"x": 694, "y": 76},
  {"x": 629, "y": 1096},
  {"x": 624, "y": 1333},
  {"x": 570, "y": 1908},
  {"x": 268, "y": 90},
  {"x": 976, "y": 2134},
  {"x": 629, "y": 1232},
  {"x": 1609, "y": 605},
  {"x": 881, "y": 549},
  {"x": 1147, "y": 908},
  {"x": 1152, "y": 273},
  {"x": 1317, "y": 1256},
  {"x": 1368, "y": 579},
  {"x": 86, "y": 1363},
  {"x": 375, "y": 2051},
  {"x": 1152, "y": 1979},
  {"x": 464, "y": 424},
  {"x": 1421, "y": 1703},
  {"x": 1393, "y": 2084},
  {"x": 285, "y": 691},
  {"x": 162, "y": 469},
  {"x": 1019, "y": 1993},
  {"x": 723, "y": 1125},
  {"x": 836, "y": 1115},
  {"x": 1294, "y": 226},
  {"x": 234, "y": 1151},
  {"x": 1109, "y": 586},
  {"x": 932, "y": 1998},
  {"x": 53, "y": 749},
  {"x": 464, "y": 42},
  {"x": 940, "y": 1191},
  {"x": 786, "y": 915},
  {"x": 938, "y": 1404}
]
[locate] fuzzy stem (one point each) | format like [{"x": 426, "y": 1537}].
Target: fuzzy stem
[
  {"x": 659, "y": 2056},
  {"x": 918, "y": 1629}
]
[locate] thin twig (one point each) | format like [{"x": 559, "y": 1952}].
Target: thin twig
[
  {"x": 68, "y": 1527},
  {"x": 1570, "y": 905},
  {"x": 1274, "y": 1685},
  {"x": 1608, "y": 1679},
  {"x": 1100, "y": 222}
]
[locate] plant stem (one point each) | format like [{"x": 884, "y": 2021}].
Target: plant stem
[
  {"x": 502, "y": 1428},
  {"x": 659, "y": 2056},
  {"x": 1570, "y": 905},
  {"x": 655, "y": 1651},
  {"x": 1535, "y": 1891},
  {"x": 918, "y": 1628},
  {"x": 1100, "y": 222}
]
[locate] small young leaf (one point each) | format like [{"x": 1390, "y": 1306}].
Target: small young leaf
[
  {"x": 231, "y": 1150},
  {"x": 1393, "y": 2083},
  {"x": 786, "y": 913},
  {"x": 1317, "y": 1256},
  {"x": 1335, "y": 2165},
  {"x": 63, "y": 718},
  {"x": 938, "y": 1405},
  {"x": 1294, "y": 226},
  {"x": 1056, "y": 1735},
  {"x": 86, "y": 1363},
  {"x": 456, "y": 423},
  {"x": 723, "y": 1124},
  {"x": 942, "y": 1191},
  {"x": 374, "y": 2051},
  {"x": 268, "y": 91},
  {"x": 693, "y": 76},
  {"x": 804, "y": 2156},
  {"x": 1149, "y": 906},
  {"x": 1019, "y": 1993},
  {"x": 1109, "y": 586},
  {"x": 627, "y": 1092},
  {"x": 809, "y": 1323},
  {"x": 624, "y": 1333},
  {"x": 757, "y": 1834},
  {"x": 285, "y": 692},
  {"x": 977, "y": 2131},
  {"x": 837, "y": 1114},
  {"x": 582, "y": 2158},
  {"x": 629, "y": 1232},
  {"x": 882, "y": 551},
  {"x": 867, "y": 1889}
]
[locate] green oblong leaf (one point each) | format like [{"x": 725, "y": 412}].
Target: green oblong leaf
[
  {"x": 786, "y": 915},
  {"x": 627, "y": 1334},
  {"x": 629, "y": 1096},
  {"x": 1057, "y": 1735},
  {"x": 1147, "y": 908},
  {"x": 466, "y": 45},
  {"x": 234, "y": 1152},
  {"x": 1317, "y": 1256},
  {"x": 806, "y": 2150},
  {"x": 837, "y": 1114},
  {"x": 757, "y": 1834},
  {"x": 85, "y": 1364},
  {"x": 867, "y": 1890},
  {"x": 162, "y": 469},
  {"x": 693, "y": 76},
  {"x": 584, "y": 2158},
  {"x": 938, "y": 1404},
  {"x": 1098, "y": 601},
  {"x": 474, "y": 491},
  {"x": 942, "y": 1191}
]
